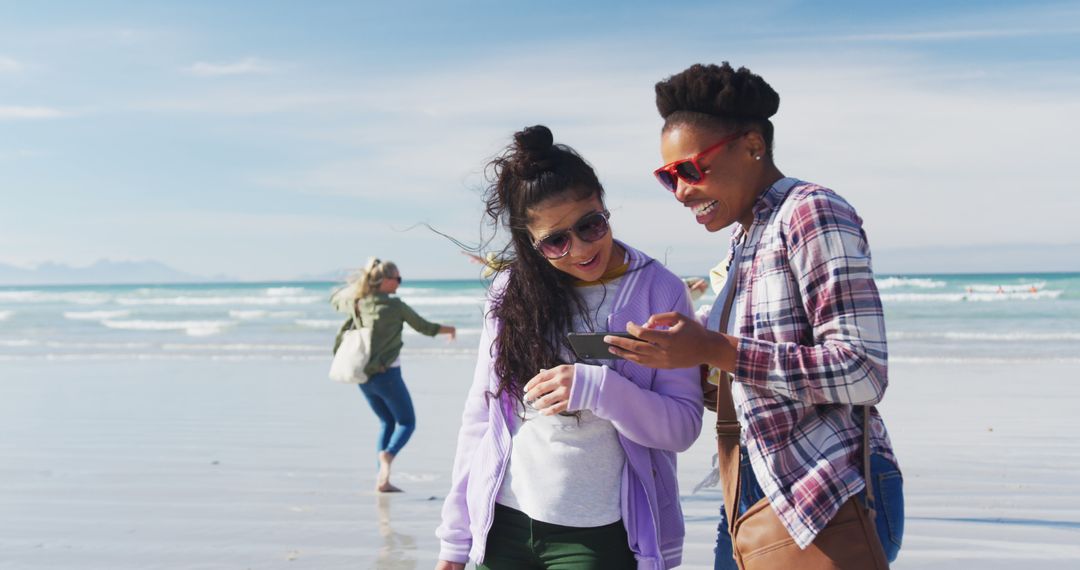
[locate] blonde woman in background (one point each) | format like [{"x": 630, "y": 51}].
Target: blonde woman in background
[{"x": 371, "y": 299}]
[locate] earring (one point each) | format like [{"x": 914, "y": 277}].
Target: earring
[{"x": 758, "y": 157}]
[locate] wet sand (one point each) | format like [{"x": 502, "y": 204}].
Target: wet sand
[{"x": 266, "y": 464}]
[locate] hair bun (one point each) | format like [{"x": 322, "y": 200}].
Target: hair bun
[
  {"x": 533, "y": 146},
  {"x": 719, "y": 91},
  {"x": 536, "y": 140}
]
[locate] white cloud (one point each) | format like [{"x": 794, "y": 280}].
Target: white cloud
[
  {"x": 19, "y": 154},
  {"x": 241, "y": 103},
  {"x": 14, "y": 112},
  {"x": 246, "y": 66},
  {"x": 9, "y": 65},
  {"x": 927, "y": 153},
  {"x": 950, "y": 35}
]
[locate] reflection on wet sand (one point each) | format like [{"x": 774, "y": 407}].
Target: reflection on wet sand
[{"x": 398, "y": 551}]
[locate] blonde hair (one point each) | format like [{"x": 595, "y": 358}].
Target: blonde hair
[{"x": 363, "y": 283}]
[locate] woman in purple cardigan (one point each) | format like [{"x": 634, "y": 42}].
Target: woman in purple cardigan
[{"x": 563, "y": 462}]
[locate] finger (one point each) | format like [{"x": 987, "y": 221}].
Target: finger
[
  {"x": 541, "y": 403},
  {"x": 556, "y": 409},
  {"x": 649, "y": 336},
  {"x": 629, "y": 344},
  {"x": 619, "y": 341},
  {"x": 541, "y": 389},
  {"x": 633, "y": 328},
  {"x": 556, "y": 396},
  {"x": 631, "y": 356},
  {"x": 540, "y": 377},
  {"x": 663, "y": 320}
]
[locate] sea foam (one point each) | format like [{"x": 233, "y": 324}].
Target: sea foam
[
  {"x": 95, "y": 315},
  {"x": 192, "y": 328}
]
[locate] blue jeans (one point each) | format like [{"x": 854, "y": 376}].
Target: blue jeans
[
  {"x": 389, "y": 398},
  {"x": 888, "y": 497}
]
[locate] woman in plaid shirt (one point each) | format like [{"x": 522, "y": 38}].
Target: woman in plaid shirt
[{"x": 805, "y": 341}]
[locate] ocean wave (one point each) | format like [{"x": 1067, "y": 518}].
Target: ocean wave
[
  {"x": 284, "y": 291},
  {"x": 245, "y": 347},
  {"x": 327, "y": 324},
  {"x": 95, "y": 315},
  {"x": 5, "y": 315},
  {"x": 999, "y": 288},
  {"x": 320, "y": 323},
  {"x": 217, "y": 301},
  {"x": 224, "y": 352},
  {"x": 446, "y": 300},
  {"x": 77, "y": 298},
  {"x": 153, "y": 357},
  {"x": 968, "y": 297},
  {"x": 97, "y": 345},
  {"x": 18, "y": 343},
  {"x": 246, "y": 357},
  {"x": 94, "y": 357},
  {"x": 917, "y": 282},
  {"x": 979, "y": 360},
  {"x": 263, "y": 314},
  {"x": 404, "y": 291},
  {"x": 192, "y": 328},
  {"x": 984, "y": 336},
  {"x": 460, "y": 352},
  {"x": 460, "y": 332}
]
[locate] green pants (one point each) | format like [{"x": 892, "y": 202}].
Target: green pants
[{"x": 516, "y": 542}]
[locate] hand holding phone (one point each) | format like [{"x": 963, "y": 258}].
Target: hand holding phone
[{"x": 591, "y": 346}]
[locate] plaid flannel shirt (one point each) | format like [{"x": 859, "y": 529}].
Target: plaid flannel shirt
[{"x": 811, "y": 349}]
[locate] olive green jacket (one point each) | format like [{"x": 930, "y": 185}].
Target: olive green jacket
[{"x": 386, "y": 316}]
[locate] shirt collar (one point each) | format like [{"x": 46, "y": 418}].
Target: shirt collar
[{"x": 767, "y": 202}]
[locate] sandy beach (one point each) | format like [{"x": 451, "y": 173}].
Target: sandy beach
[{"x": 266, "y": 464}]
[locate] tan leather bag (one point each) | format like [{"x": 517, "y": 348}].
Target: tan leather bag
[{"x": 760, "y": 541}]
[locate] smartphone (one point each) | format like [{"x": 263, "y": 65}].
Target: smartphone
[{"x": 591, "y": 346}]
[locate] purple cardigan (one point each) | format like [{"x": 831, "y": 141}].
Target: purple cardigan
[{"x": 656, "y": 413}]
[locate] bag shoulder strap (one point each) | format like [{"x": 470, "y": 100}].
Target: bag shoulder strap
[
  {"x": 727, "y": 427},
  {"x": 869, "y": 490}
]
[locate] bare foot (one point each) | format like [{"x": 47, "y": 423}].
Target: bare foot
[
  {"x": 388, "y": 488},
  {"x": 382, "y": 482}
]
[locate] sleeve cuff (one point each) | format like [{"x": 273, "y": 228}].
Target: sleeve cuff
[
  {"x": 702, "y": 315},
  {"x": 585, "y": 390},
  {"x": 752, "y": 361},
  {"x": 452, "y": 552}
]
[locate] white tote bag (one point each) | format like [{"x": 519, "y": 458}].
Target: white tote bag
[{"x": 352, "y": 356}]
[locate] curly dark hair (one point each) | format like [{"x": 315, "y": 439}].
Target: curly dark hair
[
  {"x": 537, "y": 304},
  {"x": 719, "y": 98}
]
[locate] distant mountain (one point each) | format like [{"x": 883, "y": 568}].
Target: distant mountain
[
  {"x": 332, "y": 276},
  {"x": 100, "y": 272}
]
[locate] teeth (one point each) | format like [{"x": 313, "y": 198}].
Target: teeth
[
  {"x": 705, "y": 208},
  {"x": 592, "y": 259}
]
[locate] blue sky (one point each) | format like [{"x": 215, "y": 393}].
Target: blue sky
[{"x": 279, "y": 139}]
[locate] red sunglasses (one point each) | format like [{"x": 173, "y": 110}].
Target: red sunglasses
[
  {"x": 591, "y": 227},
  {"x": 688, "y": 169}
]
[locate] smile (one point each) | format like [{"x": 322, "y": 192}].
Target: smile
[
  {"x": 589, "y": 261},
  {"x": 705, "y": 208}
]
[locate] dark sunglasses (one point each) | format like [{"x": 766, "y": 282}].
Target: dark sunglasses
[
  {"x": 591, "y": 227},
  {"x": 398, "y": 279},
  {"x": 688, "y": 169}
]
